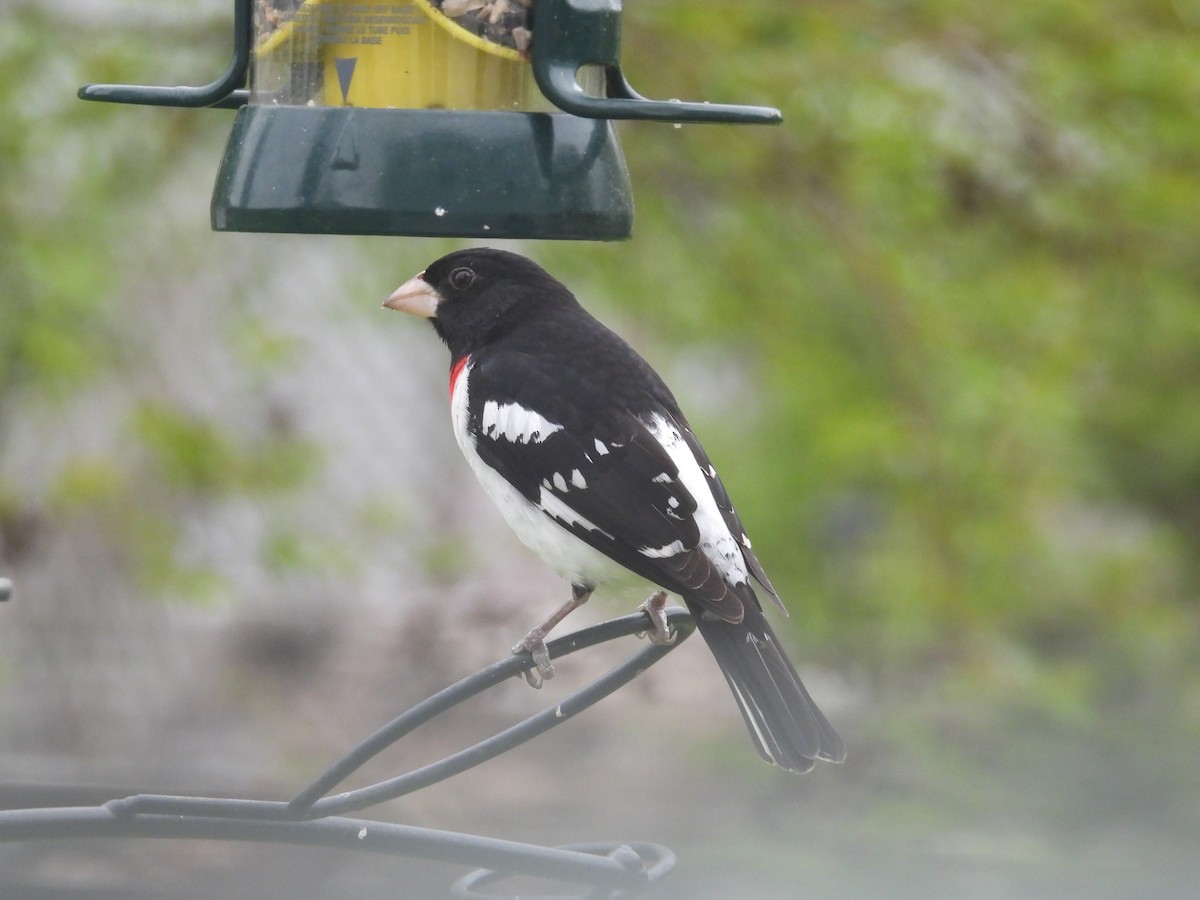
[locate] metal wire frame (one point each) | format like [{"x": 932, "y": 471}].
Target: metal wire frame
[{"x": 313, "y": 816}]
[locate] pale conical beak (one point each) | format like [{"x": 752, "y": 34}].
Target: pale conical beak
[{"x": 415, "y": 297}]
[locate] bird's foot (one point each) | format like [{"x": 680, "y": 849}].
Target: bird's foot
[
  {"x": 655, "y": 610},
  {"x": 534, "y": 644}
]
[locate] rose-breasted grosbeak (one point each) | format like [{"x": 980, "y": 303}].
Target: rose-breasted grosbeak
[{"x": 585, "y": 452}]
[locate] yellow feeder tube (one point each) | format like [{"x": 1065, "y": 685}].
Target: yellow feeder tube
[{"x": 387, "y": 55}]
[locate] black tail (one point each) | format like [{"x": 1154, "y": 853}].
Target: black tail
[{"x": 782, "y": 718}]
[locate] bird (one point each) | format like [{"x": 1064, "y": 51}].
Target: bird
[{"x": 589, "y": 459}]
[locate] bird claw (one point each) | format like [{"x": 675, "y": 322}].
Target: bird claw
[
  {"x": 543, "y": 669},
  {"x": 534, "y": 643},
  {"x": 655, "y": 610}
]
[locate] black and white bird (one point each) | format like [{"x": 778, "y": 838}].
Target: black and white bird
[{"x": 591, "y": 462}]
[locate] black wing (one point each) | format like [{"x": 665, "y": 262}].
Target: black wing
[
  {"x": 602, "y": 475},
  {"x": 732, "y": 520}
]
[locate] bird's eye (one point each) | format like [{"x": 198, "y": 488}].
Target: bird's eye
[{"x": 461, "y": 279}]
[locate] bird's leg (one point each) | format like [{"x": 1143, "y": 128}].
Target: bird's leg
[
  {"x": 654, "y": 608},
  {"x": 535, "y": 641}
]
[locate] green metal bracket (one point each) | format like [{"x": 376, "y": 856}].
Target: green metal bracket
[
  {"x": 224, "y": 93},
  {"x": 571, "y": 34}
]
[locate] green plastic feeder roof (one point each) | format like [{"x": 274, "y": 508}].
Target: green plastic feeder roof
[{"x": 427, "y": 119}]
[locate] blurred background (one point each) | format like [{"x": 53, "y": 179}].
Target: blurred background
[{"x": 940, "y": 332}]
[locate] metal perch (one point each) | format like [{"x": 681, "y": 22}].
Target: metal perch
[{"x": 313, "y": 816}]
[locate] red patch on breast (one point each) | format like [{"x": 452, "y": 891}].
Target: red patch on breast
[{"x": 456, "y": 370}]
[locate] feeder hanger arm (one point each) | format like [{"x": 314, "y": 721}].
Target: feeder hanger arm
[
  {"x": 570, "y": 34},
  {"x": 225, "y": 93}
]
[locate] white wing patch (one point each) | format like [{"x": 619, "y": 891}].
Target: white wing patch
[
  {"x": 553, "y": 505},
  {"x": 515, "y": 423},
  {"x": 671, "y": 549},
  {"x": 715, "y": 540}
]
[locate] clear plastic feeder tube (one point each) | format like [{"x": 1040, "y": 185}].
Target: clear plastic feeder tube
[{"x": 423, "y": 54}]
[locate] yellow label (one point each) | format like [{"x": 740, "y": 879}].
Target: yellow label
[{"x": 404, "y": 55}]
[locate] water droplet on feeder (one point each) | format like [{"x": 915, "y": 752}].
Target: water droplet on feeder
[{"x": 440, "y": 211}]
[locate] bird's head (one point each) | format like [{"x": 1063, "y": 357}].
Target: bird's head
[{"x": 473, "y": 295}]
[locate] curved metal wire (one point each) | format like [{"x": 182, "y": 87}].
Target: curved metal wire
[
  {"x": 308, "y": 802},
  {"x": 312, "y": 817},
  {"x": 607, "y": 867},
  {"x": 656, "y": 860}
]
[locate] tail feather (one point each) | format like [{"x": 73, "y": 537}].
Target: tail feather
[{"x": 781, "y": 717}]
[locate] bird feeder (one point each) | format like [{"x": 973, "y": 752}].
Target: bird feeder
[{"x": 463, "y": 118}]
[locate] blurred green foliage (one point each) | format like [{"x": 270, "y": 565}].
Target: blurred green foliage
[
  {"x": 964, "y": 276},
  {"x": 61, "y": 227},
  {"x": 73, "y": 174},
  {"x": 200, "y": 456}
]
